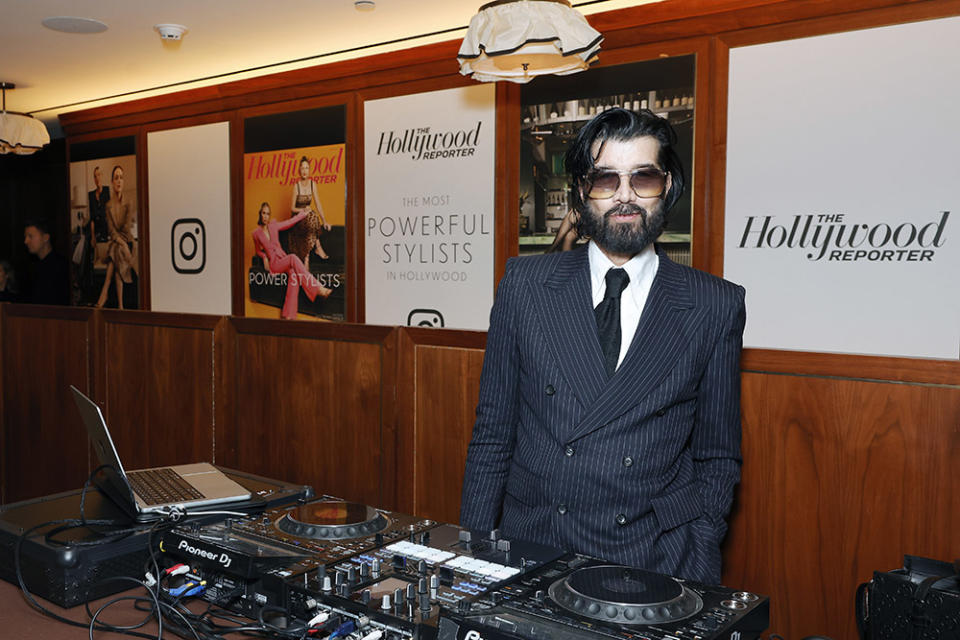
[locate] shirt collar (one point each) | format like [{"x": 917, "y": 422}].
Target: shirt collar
[{"x": 643, "y": 264}]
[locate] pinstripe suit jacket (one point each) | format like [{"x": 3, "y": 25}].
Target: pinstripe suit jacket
[{"x": 638, "y": 469}]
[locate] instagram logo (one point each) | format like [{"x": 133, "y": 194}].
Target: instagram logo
[
  {"x": 188, "y": 245},
  {"x": 425, "y": 318}
]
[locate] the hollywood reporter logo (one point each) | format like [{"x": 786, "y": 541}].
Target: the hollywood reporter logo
[
  {"x": 832, "y": 237},
  {"x": 188, "y": 245}
]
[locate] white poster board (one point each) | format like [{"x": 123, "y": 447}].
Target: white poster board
[
  {"x": 429, "y": 208},
  {"x": 188, "y": 172},
  {"x": 842, "y": 215}
]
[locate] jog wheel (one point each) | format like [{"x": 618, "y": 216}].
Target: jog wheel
[
  {"x": 625, "y": 595},
  {"x": 332, "y": 520}
]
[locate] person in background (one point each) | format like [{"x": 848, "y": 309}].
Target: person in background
[
  {"x": 120, "y": 247},
  {"x": 49, "y": 281},
  {"x": 8, "y": 283},
  {"x": 304, "y": 238},
  {"x": 266, "y": 241}
]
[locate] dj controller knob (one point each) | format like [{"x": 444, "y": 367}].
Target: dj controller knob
[
  {"x": 411, "y": 592},
  {"x": 375, "y": 568},
  {"x": 364, "y": 569},
  {"x": 398, "y": 596},
  {"x": 425, "y": 537},
  {"x": 495, "y": 535},
  {"x": 352, "y": 574},
  {"x": 327, "y": 585},
  {"x": 539, "y": 596},
  {"x": 385, "y": 603},
  {"x": 463, "y": 607},
  {"x": 365, "y": 596},
  {"x": 497, "y": 597},
  {"x": 422, "y": 567},
  {"x": 425, "y": 605},
  {"x": 338, "y": 578}
]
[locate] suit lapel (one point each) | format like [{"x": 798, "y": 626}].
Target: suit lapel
[
  {"x": 669, "y": 319},
  {"x": 565, "y": 306}
]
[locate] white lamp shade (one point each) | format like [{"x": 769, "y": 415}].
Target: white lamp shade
[
  {"x": 21, "y": 134},
  {"x": 522, "y": 39}
]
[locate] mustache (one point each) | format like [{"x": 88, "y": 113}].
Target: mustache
[{"x": 626, "y": 209}]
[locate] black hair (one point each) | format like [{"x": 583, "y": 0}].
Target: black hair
[
  {"x": 623, "y": 125},
  {"x": 42, "y": 225}
]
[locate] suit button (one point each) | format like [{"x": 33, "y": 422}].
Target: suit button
[
  {"x": 568, "y": 452},
  {"x": 549, "y": 390},
  {"x": 628, "y": 461},
  {"x": 621, "y": 519},
  {"x": 661, "y": 413},
  {"x": 562, "y": 509}
]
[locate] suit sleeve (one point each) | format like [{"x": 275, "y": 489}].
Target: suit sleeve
[
  {"x": 717, "y": 432},
  {"x": 494, "y": 431}
]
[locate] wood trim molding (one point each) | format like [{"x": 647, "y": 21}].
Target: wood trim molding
[{"x": 880, "y": 368}]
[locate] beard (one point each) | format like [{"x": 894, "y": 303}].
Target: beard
[{"x": 623, "y": 238}]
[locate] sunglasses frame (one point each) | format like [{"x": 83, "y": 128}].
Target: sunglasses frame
[{"x": 588, "y": 182}]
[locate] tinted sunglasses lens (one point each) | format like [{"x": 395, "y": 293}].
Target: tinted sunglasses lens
[
  {"x": 603, "y": 185},
  {"x": 648, "y": 184}
]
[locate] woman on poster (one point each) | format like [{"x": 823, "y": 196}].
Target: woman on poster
[
  {"x": 120, "y": 243},
  {"x": 266, "y": 242},
  {"x": 306, "y": 237}
]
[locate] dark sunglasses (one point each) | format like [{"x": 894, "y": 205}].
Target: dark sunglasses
[{"x": 646, "y": 183}]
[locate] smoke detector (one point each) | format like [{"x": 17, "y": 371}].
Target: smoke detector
[{"x": 170, "y": 31}]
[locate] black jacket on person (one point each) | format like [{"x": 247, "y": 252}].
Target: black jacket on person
[{"x": 49, "y": 281}]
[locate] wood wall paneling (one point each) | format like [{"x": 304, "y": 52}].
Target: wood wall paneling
[
  {"x": 438, "y": 383},
  {"x": 45, "y": 350},
  {"x": 158, "y": 386},
  {"x": 840, "y": 478},
  {"x": 309, "y": 408}
]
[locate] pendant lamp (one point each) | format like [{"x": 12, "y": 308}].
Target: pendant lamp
[
  {"x": 517, "y": 40},
  {"x": 20, "y": 133}
]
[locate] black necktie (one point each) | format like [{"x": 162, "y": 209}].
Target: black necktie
[{"x": 608, "y": 318}]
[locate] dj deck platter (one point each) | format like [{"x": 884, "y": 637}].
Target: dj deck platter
[
  {"x": 332, "y": 520},
  {"x": 625, "y": 595}
]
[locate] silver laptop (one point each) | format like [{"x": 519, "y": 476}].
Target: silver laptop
[{"x": 149, "y": 493}]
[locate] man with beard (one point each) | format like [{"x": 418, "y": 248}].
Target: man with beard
[{"x": 608, "y": 421}]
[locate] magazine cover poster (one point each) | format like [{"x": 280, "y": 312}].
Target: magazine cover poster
[
  {"x": 294, "y": 233},
  {"x": 105, "y": 256}
]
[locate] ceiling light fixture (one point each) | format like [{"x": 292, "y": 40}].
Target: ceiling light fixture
[
  {"x": 364, "y": 5},
  {"x": 20, "y": 133},
  {"x": 518, "y": 40}
]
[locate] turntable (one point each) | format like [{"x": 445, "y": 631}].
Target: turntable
[
  {"x": 625, "y": 595},
  {"x": 332, "y": 520},
  {"x": 578, "y": 598}
]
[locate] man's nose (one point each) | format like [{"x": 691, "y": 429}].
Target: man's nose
[{"x": 624, "y": 192}]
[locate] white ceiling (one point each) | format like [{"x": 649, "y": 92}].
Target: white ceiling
[{"x": 60, "y": 72}]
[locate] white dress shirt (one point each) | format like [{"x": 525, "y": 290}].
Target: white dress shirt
[{"x": 642, "y": 268}]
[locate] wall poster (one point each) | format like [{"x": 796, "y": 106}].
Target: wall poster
[
  {"x": 842, "y": 201},
  {"x": 294, "y": 250},
  {"x": 105, "y": 257},
  {"x": 429, "y": 207},
  {"x": 188, "y": 169}
]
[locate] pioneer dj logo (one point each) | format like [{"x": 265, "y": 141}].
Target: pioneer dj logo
[
  {"x": 473, "y": 635},
  {"x": 213, "y": 556}
]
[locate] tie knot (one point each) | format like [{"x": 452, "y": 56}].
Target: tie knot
[{"x": 617, "y": 280}]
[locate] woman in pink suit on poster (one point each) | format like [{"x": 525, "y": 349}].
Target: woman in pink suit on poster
[{"x": 266, "y": 241}]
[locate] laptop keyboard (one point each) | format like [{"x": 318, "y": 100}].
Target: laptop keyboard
[{"x": 162, "y": 486}]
